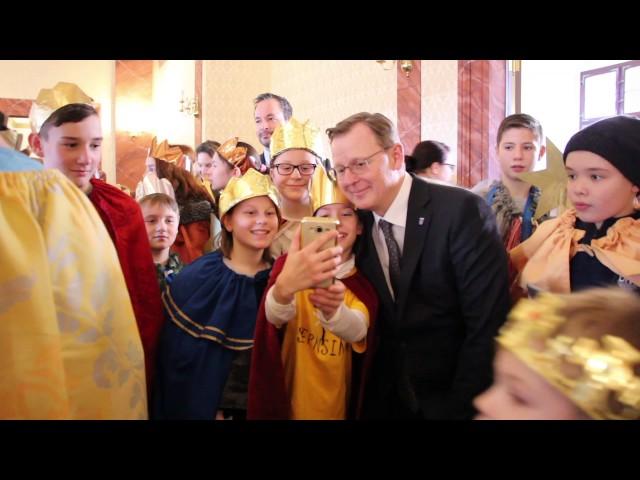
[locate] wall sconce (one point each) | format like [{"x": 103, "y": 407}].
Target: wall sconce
[
  {"x": 189, "y": 105},
  {"x": 405, "y": 65}
]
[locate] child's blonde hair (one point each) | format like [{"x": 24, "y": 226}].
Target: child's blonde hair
[{"x": 160, "y": 199}]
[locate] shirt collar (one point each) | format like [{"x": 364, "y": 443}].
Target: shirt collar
[{"x": 397, "y": 211}]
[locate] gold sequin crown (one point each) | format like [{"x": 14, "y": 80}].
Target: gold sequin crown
[
  {"x": 231, "y": 152},
  {"x": 164, "y": 151},
  {"x": 51, "y": 99},
  {"x": 251, "y": 184},
  {"x": 294, "y": 134},
  {"x": 606, "y": 367},
  {"x": 324, "y": 190}
]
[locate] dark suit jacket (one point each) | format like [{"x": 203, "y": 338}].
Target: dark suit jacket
[{"x": 436, "y": 341}]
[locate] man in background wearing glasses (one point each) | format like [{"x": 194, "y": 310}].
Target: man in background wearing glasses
[{"x": 434, "y": 256}]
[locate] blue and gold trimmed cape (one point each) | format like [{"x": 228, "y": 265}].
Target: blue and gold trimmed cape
[{"x": 211, "y": 314}]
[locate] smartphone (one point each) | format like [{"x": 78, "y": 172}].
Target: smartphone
[{"x": 312, "y": 228}]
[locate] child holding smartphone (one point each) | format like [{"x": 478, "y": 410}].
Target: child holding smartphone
[{"x": 309, "y": 344}]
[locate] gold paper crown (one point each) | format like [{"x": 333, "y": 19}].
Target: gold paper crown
[
  {"x": 150, "y": 184},
  {"x": 607, "y": 366},
  {"x": 251, "y": 184},
  {"x": 163, "y": 151},
  {"x": 51, "y": 99},
  {"x": 230, "y": 151},
  {"x": 294, "y": 134},
  {"x": 324, "y": 191}
]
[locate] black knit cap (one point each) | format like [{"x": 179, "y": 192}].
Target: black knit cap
[{"x": 616, "y": 139}]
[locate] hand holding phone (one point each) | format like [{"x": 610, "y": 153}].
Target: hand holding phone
[
  {"x": 308, "y": 266},
  {"x": 311, "y": 229}
]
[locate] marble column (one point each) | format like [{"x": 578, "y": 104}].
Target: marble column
[
  {"x": 481, "y": 108},
  {"x": 409, "y": 106}
]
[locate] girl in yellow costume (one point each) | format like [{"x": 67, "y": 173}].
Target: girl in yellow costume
[
  {"x": 568, "y": 357},
  {"x": 69, "y": 344},
  {"x": 596, "y": 243},
  {"x": 303, "y": 367}
]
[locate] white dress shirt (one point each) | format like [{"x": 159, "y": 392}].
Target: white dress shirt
[
  {"x": 267, "y": 157},
  {"x": 396, "y": 215}
]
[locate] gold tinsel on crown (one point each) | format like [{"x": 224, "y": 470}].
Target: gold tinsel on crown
[
  {"x": 163, "y": 151},
  {"x": 324, "y": 190},
  {"x": 251, "y": 184},
  {"x": 607, "y": 366},
  {"x": 294, "y": 134},
  {"x": 51, "y": 99}
]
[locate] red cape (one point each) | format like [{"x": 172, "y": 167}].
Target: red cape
[
  {"x": 268, "y": 399},
  {"x": 123, "y": 218}
]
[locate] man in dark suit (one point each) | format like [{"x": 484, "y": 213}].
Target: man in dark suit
[
  {"x": 270, "y": 110},
  {"x": 434, "y": 255}
]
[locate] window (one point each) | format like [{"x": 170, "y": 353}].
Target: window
[{"x": 609, "y": 91}]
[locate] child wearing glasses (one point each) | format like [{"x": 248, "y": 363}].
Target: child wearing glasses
[
  {"x": 295, "y": 150},
  {"x": 312, "y": 344},
  {"x": 429, "y": 162},
  {"x": 519, "y": 144}
]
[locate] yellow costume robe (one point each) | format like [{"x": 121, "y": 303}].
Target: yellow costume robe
[{"x": 69, "y": 343}]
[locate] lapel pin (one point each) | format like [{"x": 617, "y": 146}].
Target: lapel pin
[{"x": 420, "y": 220}]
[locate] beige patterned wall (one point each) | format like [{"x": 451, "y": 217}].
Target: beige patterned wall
[
  {"x": 440, "y": 103},
  {"x": 327, "y": 91},
  {"x": 324, "y": 91},
  {"x": 228, "y": 90}
]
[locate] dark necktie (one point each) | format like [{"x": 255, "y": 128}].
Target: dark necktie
[{"x": 394, "y": 255}]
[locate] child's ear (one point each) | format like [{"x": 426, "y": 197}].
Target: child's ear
[
  {"x": 237, "y": 172},
  {"x": 226, "y": 223},
  {"x": 35, "y": 142}
]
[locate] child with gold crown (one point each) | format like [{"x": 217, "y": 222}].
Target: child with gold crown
[
  {"x": 568, "y": 357},
  {"x": 310, "y": 343},
  {"x": 211, "y": 307},
  {"x": 295, "y": 153},
  {"x": 67, "y": 135}
]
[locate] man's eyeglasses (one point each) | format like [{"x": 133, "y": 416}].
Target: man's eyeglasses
[
  {"x": 357, "y": 168},
  {"x": 305, "y": 169}
]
